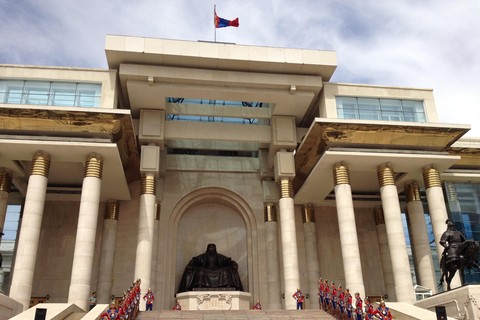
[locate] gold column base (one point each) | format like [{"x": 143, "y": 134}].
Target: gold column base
[
  {"x": 149, "y": 185},
  {"x": 385, "y": 176},
  {"x": 112, "y": 210},
  {"x": 285, "y": 189},
  {"x": 341, "y": 174},
  {"x": 412, "y": 192},
  {"x": 41, "y": 164},
  {"x": 431, "y": 178},
  {"x": 94, "y": 166}
]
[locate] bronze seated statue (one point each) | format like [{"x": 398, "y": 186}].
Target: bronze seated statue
[{"x": 211, "y": 270}]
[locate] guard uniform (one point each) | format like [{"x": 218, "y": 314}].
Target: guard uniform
[
  {"x": 341, "y": 300},
  {"x": 321, "y": 288},
  {"x": 383, "y": 313},
  {"x": 149, "y": 298},
  {"x": 327, "y": 294},
  {"x": 349, "y": 305},
  {"x": 334, "y": 296},
  {"x": 368, "y": 309},
  {"x": 257, "y": 306},
  {"x": 358, "y": 307},
  {"x": 299, "y": 297}
]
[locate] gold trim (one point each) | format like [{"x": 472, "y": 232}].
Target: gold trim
[
  {"x": 353, "y": 133},
  {"x": 385, "y": 176},
  {"x": 270, "y": 213},
  {"x": 5, "y": 181},
  {"x": 379, "y": 217},
  {"x": 149, "y": 185},
  {"x": 341, "y": 174},
  {"x": 94, "y": 166},
  {"x": 40, "y": 165},
  {"x": 285, "y": 189},
  {"x": 308, "y": 213},
  {"x": 112, "y": 210},
  {"x": 118, "y": 127},
  {"x": 431, "y": 178},
  {"x": 412, "y": 192},
  {"x": 158, "y": 206}
]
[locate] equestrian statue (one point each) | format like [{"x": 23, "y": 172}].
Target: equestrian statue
[{"x": 459, "y": 254}]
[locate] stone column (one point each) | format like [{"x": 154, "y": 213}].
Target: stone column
[
  {"x": 396, "y": 236},
  {"x": 79, "y": 291},
  {"x": 291, "y": 273},
  {"x": 5, "y": 184},
  {"x": 107, "y": 255},
  {"x": 311, "y": 250},
  {"x": 438, "y": 212},
  {"x": 273, "y": 263},
  {"x": 348, "y": 230},
  {"x": 419, "y": 238},
  {"x": 27, "y": 246},
  {"x": 146, "y": 219},
  {"x": 153, "y": 282},
  {"x": 385, "y": 254}
]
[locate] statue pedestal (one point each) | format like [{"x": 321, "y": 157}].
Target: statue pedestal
[
  {"x": 214, "y": 300},
  {"x": 460, "y": 303}
]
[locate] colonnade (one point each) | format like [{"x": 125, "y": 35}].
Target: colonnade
[
  {"x": 393, "y": 250},
  {"x": 390, "y": 233}
]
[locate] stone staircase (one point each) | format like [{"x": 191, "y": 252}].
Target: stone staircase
[{"x": 235, "y": 315}]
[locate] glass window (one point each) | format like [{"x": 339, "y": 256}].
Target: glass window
[
  {"x": 68, "y": 94},
  {"x": 11, "y": 222},
  {"x": 380, "y": 109}
]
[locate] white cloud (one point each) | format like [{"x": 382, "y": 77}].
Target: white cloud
[{"x": 431, "y": 44}]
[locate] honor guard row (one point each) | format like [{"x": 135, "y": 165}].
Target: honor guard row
[{"x": 339, "y": 303}]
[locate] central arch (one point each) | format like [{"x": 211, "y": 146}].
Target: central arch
[{"x": 215, "y": 196}]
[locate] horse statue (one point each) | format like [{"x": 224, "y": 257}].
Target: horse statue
[{"x": 467, "y": 258}]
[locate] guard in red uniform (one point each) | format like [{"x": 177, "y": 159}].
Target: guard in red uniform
[
  {"x": 149, "y": 298},
  {"x": 113, "y": 313},
  {"x": 368, "y": 309},
  {"x": 341, "y": 302},
  {"x": 358, "y": 306},
  {"x": 383, "y": 311},
  {"x": 257, "y": 306},
  {"x": 299, "y": 297},
  {"x": 177, "y": 306},
  {"x": 334, "y": 299},
  {"x": 349, "y": 306},
  {"x": 320, "y": 293},
  {"x": 327, "y": 296}
]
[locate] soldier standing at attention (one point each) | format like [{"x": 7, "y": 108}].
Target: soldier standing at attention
[{"x": 299, "y": 297}]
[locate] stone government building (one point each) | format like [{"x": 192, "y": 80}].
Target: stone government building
[{"x": 129, "y": 172}]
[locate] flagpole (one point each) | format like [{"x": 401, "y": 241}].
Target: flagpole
[{"x": 214, "y": 28}]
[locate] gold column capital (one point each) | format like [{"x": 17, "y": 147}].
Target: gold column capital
[
  {"x": 270, "y": 213},
  {"x": 285, "y": 189},
  {"x": 158, "y": 206},
  {"x": 308, "y": 213},
  {"x": 431, "y": 178},
  {"x": 5, "y": 180},
  {"x": 412, "y": 192},
  {"x": 379, "y": 217},
  {"x": 41, "y": 164},
  {"x": 385, "y": 176},
  {"x": 94, "y": 166},
  {"x": 149, "y": 185},
  {"x": 112, "y": 210},
  {"x": 341, "y": 174}
]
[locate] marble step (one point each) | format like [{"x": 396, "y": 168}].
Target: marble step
[{"x": 235, "y": 315}]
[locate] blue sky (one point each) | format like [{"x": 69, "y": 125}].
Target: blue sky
[{"x": 425, "y": 44}]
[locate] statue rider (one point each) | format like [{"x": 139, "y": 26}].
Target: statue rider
[{"x": 451, "y": 240}]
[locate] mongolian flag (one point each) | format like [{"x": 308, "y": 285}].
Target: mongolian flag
[{"x": 222, "y": 23}]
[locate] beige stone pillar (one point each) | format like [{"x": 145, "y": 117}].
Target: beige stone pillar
[
  {"x": 26, "y": 253},
  {"x": 385, "y": 254},
  {"x": 5, "y": 184},
  {"x": 311, "y": 250},
  {"x": 146, "y": 221},
  {"x": 396, "y": 236},
  {"x": 438, "y": 212},
  {"x": 273, "y": 263},
  {"x": 348, "y": 231},
  {"x": 153, "y": 282},
  {"x": 291, "y": 273},
  {"x": 419, "y": 238},
  {"x": 80, "y": 290},
  {"x": 107, "y": 255}
]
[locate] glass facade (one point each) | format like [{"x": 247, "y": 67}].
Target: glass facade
[
  {"x": 184, "y": 117},
  {"x": 380, "y": 109},
  {"x": 463, "y": 202},
  {"x": 50, "y": 93}
]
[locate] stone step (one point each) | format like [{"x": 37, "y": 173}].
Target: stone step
[{"x": 235, "y": 314}]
